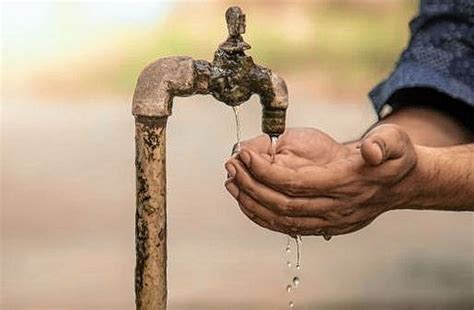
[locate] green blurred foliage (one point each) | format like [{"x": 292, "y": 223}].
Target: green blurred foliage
[{"x": 346, "y": 42}]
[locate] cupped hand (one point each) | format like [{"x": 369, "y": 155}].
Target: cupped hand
[
  {"x": 298, "y": 147},
  {"x": 317, "y": 186}
]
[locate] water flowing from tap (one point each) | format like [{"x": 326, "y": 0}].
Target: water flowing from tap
[
  {"x": 273, "y": 143},
  {"x": 295, "y": 279},
  {"x": 238, "y": 128}
]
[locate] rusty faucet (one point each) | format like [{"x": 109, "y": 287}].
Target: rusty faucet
[{"x": 232, "y": 77}]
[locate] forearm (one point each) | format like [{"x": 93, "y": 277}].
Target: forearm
[
  {"x": 428, "y": 126},
  {"x": 444, "y": 175},
  {"x": 443, "y": 179}
]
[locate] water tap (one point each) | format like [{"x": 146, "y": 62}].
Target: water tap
[{"x": 232, "y": 77}]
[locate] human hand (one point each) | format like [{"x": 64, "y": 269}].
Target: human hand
[{"x": 317, "y": 186}]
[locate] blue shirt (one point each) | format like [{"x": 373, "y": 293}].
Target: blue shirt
[{"x": 439, "y": 58}]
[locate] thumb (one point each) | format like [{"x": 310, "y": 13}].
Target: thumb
[{"x": 383, "y": 143}]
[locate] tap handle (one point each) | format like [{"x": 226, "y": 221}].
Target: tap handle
[
  {"x": 234, "y": 43},
  {"x": 235, "y": 18}
]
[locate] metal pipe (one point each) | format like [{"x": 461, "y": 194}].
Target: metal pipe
[
  {"x": 150, "y": 217},
  {"x": 232, "y": 77}
]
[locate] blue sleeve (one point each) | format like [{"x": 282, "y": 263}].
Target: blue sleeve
[{"x": 439, "y": 56}]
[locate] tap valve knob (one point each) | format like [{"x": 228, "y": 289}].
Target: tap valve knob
[{"x": 235, "y": 19}]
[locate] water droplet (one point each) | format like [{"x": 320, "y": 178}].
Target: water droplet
[
  {"x": 298, "y": 249},
  {"x": 288, "y": 263},
  {"x": 288, "y": 288},
  {"x": 291, "y": 304},
  {"x": 327, "y": 236},
  {"x": 296, "y": 281},
  {"x": 298, "y": 267}
]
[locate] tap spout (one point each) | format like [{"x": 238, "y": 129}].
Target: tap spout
[{"x": 274, "y": 105}]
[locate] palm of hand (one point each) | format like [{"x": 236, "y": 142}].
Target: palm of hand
[
  {"x": 318, "y": 186},
  {"x": 304, "y": 147}
]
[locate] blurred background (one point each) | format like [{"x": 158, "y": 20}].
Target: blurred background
[{"x": 67, "y": 160}]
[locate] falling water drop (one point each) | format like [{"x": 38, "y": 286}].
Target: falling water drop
[
  {"x": 288, "y": 245},
  {"x": 296, "y": 281},
  {"x": 327, "y": 236},
  {"x": 237, "y": 128},
  {"x": 289, "y": 287},
  {"x": 298, "y": 242}
]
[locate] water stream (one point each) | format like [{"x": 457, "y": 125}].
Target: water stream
[
  {"x": 295, "y": 279},
  {"x": 273, "y": 143},
  {"x": 238, "y": 129}
]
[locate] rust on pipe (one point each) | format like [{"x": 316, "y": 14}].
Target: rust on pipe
[
  {"x": 232, "y": 77},
  {"x": 150, "y": 217}
]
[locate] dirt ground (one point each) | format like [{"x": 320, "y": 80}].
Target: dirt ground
[{"x": 67, "y": 202}]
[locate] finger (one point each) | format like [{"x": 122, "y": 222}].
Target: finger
[
  {"x": 284, "y": 224},
  {"x": 232, "y": 188},
  {"x": 260, "y": 144},
  {"x": 248, "y": 206},
  {"x": 259, "y": 214},
  {"x": 384, "y": 142},
  {"x": 260, "y": 222},
  {"x": 372, "y": 153},
  {"x": 306, "y": 181},
  {"x": 234, "y": 191},
  {"x": 230, "y": 169},
  {"x": 235, "y": 149},
  {"x": 342, "y": 230},
  {"x": 279, "y": 202},
  {"x": 265, "y": 170}
]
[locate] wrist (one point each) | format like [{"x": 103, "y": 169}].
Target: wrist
[{"x": 419, "y": 186}]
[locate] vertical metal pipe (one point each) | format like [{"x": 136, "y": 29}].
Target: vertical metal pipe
[{"x": 150, "y": 231}]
